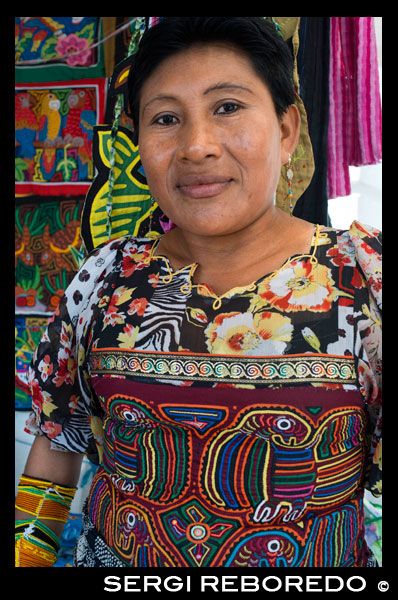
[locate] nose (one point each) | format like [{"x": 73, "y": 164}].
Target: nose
[{"x": 198, "y": 141}]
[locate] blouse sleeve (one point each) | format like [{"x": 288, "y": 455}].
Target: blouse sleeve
[
  {"x": 62, "y": 398},
  {"x": 368, "y": 315}
]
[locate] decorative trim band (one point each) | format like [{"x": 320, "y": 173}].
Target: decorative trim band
[{"x": 224, "y": 369}]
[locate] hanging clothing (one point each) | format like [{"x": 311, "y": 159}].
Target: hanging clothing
[
  {"x": 354, "y": 137},
  {"x": 313, "y": 70},
  {"x": 238, "y": 430}
]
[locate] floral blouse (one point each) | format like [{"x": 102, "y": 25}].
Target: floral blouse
[{"x": 238, "y": 430}]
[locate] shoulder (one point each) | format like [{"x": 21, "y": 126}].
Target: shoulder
[
  {"x": 357, "y": 231},
  {"x": 366, "y": 244},
  {"x": 114, "y": 251},
  {"x": 366, "y": 239},
  {"x": 359, "y": 241},
  {"x": 103, "y": 264},
  {"x": 360, "y": 247}
]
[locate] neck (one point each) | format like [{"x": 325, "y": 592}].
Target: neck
[
  {"x": 238, "y": 259},
  {"x": 218, "y": 253}
]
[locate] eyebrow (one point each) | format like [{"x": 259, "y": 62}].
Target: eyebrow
[
  {"x": 218, "y": 86},
  {"x": 227, "y": 85}
]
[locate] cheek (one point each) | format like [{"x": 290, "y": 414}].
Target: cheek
[
  {"x": 258, "y": 153},
  {"x": 259, "y": 142},
  {"x": 155, "y": 160},
  {"x": 154, "y": 154}
]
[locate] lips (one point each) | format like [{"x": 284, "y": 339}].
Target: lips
[{"x": 204, "y": 185}]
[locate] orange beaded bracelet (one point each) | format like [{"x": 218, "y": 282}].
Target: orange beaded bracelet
[{"x": 44, "y": 499}]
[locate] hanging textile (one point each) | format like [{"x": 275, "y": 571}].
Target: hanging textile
[
  {"x": 47, "y": 239},
  {"x": 313, "y": 70},
  {"x": 118, "y": 202},
  {"x": 302, "y": 157},
  {"x": 29, "y": 330},
  {"x": 61, "y": 48},
  {"x": 354, "y": 137},
  {"x": 53, "y": 135}
]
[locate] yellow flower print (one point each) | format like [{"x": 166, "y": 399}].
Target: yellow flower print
[
  {"x": 311, "y": 338},
  {"x": 104, "y": 301},
  {"x": 377, "y": 457},
  {"x": 48, "y": 408},
  {"x": 66, "y": 334},
  {"x": 259, "y": 334},
  {"x": 363, "y": 231},
  {"x": 301, "y": 285},
  {"x": 127, "y": 339},
  {"x": 97, "y": 428},
  {"x": 204, "y": 290},
  {"x": 121, "y": 295},
  {"x": 81, "y": 355},
  {"x": 377, "y": 489},
  {"x": 196, "y": 316}
]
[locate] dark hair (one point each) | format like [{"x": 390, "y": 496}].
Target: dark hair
[{"x": 270, "y": 55}]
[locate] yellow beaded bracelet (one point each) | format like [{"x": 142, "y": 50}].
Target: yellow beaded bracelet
[
  {"x": 28, "y": 554},
  {"x": 44, "y": 499}
]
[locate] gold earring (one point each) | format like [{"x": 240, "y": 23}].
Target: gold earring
[{"x": 289, "y": 175}]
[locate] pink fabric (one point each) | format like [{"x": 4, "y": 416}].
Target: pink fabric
[{"x": 354, "y": 136}]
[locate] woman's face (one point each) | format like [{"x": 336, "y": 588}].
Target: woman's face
[{"x": 210, "y": 141}]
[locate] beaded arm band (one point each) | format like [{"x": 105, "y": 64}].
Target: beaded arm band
[
  {"x": 35, "y": 544},
  {"x": 38, "y": 532},
  {"x": 44, "y": 499}
]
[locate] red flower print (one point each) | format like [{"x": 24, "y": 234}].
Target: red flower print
[
  {"x": 73, "y": 402},
  {"x": 298, "y": 286},
  {"x": 37, "y": 394},
  {"x": 45, "y": 367},
  {"x": 154, "y": 279},
  {"x": 375, "y": 284},
  {"x": 337, "y": 258},
  {"x": 66, "y": 372},
  {"x": 137, "y": 306},
  {"x": 129, "y": 265},
  {"x": 357, "y": 280},
  {"x": 138, "y": 258},
  {"x": 66, "y": 336},
  {"x": 52, "y": 430},
  {"x": 368, "y": 249}
]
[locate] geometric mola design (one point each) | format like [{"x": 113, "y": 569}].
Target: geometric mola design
[
  {"x": 197, "y": 533},
  {"x": 201, "y": 419},
  {"x": 269, "y": 548},
  {"x": 131, "y": 199},
  {"x": 286, "y": 464}
]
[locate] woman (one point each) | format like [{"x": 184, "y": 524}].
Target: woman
[{"x": 226, "y": 373}]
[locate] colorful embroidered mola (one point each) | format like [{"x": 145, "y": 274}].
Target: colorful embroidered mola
[{"x": 232, "y": 431}]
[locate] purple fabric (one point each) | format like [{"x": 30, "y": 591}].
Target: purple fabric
[{"x": 354, "y": 136}]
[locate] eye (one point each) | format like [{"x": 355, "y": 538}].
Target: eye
[
  {"x": 283, "y": 424},
  {"x": 129, "y": 416},
  {"x": 165, "y": 120},
  {"x": 227, "y": 108},
  {"x": 273, "y": 545},
  {"x": 131, "y": 519}
]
